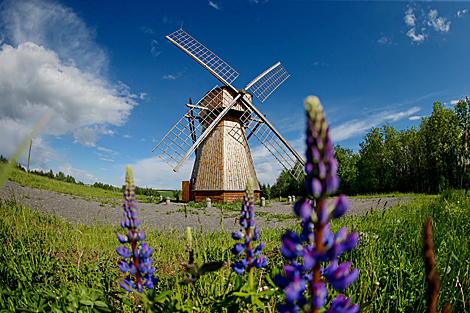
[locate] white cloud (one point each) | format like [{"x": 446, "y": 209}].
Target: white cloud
[
  {"x": 414, "y": 118},
  {"x": 461, "y": 13},
  {"x": 108, "y": 150},
  {"x": 214, "y": 5},
  {"x": 52, "y": 62},
  {"x": 127, "y": 136},
  {"x": 154, "y": 48},
  {"x": 142, "y": 95},
  {"x": 55, "y": 27},
  {"x": 108, "y": 160},
  {"x": 156, "y": 173},
  {"x": 358, "y": 127},
  {"x": 103, "y": 169},
  {"x": 146, "y": 30},
  {"x": 385, "y": 40},
  {"x": 410, "y": 19},
  {"x": 439, "y": 23},
  {"x": 416, "y": 37},
  {"x": 432, "y": 19},
  {"x": 454, "y": 102},
  {"x": 171, "y": 77},
  {"x": 35, "y": 80},
  {"x": 80, "y": 175}
]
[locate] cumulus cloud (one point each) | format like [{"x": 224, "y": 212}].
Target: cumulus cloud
[
  {"x": 439, "y": 23},
  {"x": 35, "y": 80},
  {"x": 416, "y": 30},
  {"x": 358, "y": 127},
  {"x": 50, "y": 61},
  {"x": 127, "y": 136},
  {"x": 414, "y": 118},
  {"x": 55, "y": 27},
  {"x": 410, "y": 21},
  {"x": 461, "y": 13}
]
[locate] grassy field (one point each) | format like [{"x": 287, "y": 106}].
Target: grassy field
[
  {"x": 84, "y": 191},
  {"x": 47, "y": 265}
]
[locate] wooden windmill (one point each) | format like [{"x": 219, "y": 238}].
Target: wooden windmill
[{"x": 217, "y": 129}]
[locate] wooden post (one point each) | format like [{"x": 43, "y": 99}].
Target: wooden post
[
  {"x": 185, "y": 191},
  {"x": 29, "y": 154}
]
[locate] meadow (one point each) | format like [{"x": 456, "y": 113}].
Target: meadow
[{"x": 48, "y": 265}]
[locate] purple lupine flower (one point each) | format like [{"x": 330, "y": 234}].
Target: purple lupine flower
[
  {"x": 317, "y": 243},
  {"x": 140, "y": 264},
  {"x": 251, "y": 234},
  {"x": 341, "y": 305}
]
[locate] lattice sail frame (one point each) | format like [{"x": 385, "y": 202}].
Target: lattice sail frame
[
  {"x": 209, "y": 60},
  {"x": 254, "y": 125},
  {"x": 264, "y": 85},
  {"x": 183, "y": 136}
]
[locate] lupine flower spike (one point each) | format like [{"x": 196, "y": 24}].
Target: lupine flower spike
[
  {"x": 249, "y": 236},
  {"x": 136, "y": 263},
  {"x": 317, "y": 243}
]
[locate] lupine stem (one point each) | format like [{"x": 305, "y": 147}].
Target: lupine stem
[{"x": 138, "y": 274}]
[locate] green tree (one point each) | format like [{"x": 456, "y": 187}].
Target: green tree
[
  {"x": 462, "y": 110},
  {"x": 371, "y": 164},
  {"x": 442, "y": 145},
  {"x": 347, "y": 169},
  {"x": 394, "y": 159}
]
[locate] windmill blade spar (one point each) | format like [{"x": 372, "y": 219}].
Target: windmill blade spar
[{"x": 209, "y": 60}]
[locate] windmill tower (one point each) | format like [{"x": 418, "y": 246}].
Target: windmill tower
[{"x": 217, "y": 129}]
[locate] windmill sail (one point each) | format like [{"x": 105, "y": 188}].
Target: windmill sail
[
  {"x": 264, "y": 85},
  {"x": 209, "y": 60}
]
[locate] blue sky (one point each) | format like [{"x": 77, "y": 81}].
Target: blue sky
[{"x": 117, "y": 86}]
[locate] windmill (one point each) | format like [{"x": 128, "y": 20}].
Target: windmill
[{"x": 217, "y": 129}]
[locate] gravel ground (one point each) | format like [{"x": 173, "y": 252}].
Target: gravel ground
[{"x": 162, "y": 216}]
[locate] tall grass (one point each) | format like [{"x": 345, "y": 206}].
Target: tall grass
[{"x": 47, "y": 263}]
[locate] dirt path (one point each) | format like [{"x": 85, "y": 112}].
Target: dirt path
[{"x": 162, "y": 216}]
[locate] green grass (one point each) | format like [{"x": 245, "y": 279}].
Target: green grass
[
  {"x": 42, "y": 257},
  {"x": 86, "y": 192}
]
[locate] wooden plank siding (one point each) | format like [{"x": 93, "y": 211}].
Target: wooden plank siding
[{"x": 223, "y": 161}]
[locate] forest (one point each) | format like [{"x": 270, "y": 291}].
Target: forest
[{"x": 427, "y": 159}]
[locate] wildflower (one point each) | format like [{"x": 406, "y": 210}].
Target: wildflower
[
  {"x": 140, "y": 264},
  {"x": 247, "y": 221},
  {"x": 317, "y": 243}
]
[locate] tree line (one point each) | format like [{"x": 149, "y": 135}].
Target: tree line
[{"x": 429, "y": 158}]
